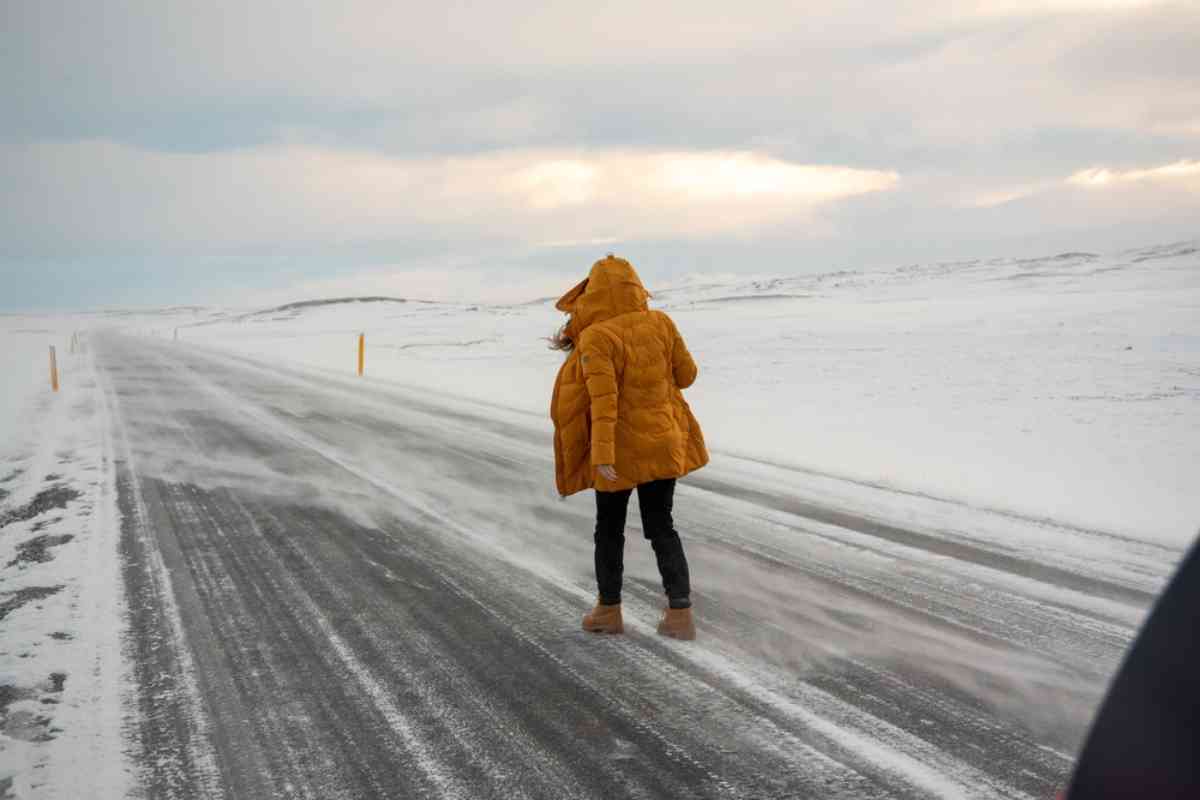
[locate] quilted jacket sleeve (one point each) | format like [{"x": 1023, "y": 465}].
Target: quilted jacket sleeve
[
  {"x": 596, "y": 356},
  {"x": 683, "y": 367}
]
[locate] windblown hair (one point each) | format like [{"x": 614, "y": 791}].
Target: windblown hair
[{"x": 560, "y": 340}]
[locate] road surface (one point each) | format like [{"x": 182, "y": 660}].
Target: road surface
[{"x": 353, "y": 590}]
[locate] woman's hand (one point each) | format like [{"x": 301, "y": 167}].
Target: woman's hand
[{"x": 608, "y": 473}]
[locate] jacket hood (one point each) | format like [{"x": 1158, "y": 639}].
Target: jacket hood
[{"x": 611, "y": 288}]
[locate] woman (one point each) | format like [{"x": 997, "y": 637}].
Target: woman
[{"x": 620, "y": 422}]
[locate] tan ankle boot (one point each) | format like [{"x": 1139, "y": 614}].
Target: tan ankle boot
[
  {"x": 677, "y": 623},
  {"x": 604, "y": 619}
]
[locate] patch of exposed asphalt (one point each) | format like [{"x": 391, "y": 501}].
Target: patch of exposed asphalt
[
  {"x": 15, "y": 600},
  {"x": 37, "y": 549},
  {"x": 45, "y": 500},
  {"x": 61, "y": 636}
]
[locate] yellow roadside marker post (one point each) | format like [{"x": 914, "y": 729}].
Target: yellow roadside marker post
[
  {"x": 362, "y": 351},
  {"x": 53, "y": 369}
]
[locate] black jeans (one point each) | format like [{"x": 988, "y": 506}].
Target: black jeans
[{"x": 655, "y": 500}]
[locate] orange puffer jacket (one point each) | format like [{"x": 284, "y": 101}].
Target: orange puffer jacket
[{"x": 617, "y": 399}]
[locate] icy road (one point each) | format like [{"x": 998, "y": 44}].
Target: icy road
[{"x": 341, "y": 588}]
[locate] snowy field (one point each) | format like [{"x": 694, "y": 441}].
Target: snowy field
[
  {"x": 1063, "y": 387},
  {"x": 990, "y": 462}
]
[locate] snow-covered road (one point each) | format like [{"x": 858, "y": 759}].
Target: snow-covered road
[{"x": 341, "y": 588}]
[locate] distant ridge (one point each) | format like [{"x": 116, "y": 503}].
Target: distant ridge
[
  {"x": 300, "y": 305},
  {"x": 336, "y": 300}
]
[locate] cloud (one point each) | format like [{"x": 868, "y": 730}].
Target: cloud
[
  {"x": 910, "y": 83},
  {"x": 110, "y": 194},
  {"x": 1026, "y": 7},
  {"x": 635, "y": 194},
  {"x": 1183, "y": 173},
  {"x": 1156, "y": 183},
  {"x": 998, "y": 197}
]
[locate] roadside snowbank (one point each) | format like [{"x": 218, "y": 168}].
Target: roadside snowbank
[
  {"x": 24, "y": 363},
  {"x": 61, "y": 663}
]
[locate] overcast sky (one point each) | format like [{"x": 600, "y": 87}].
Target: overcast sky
[{"x": 179, "y": 152}]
